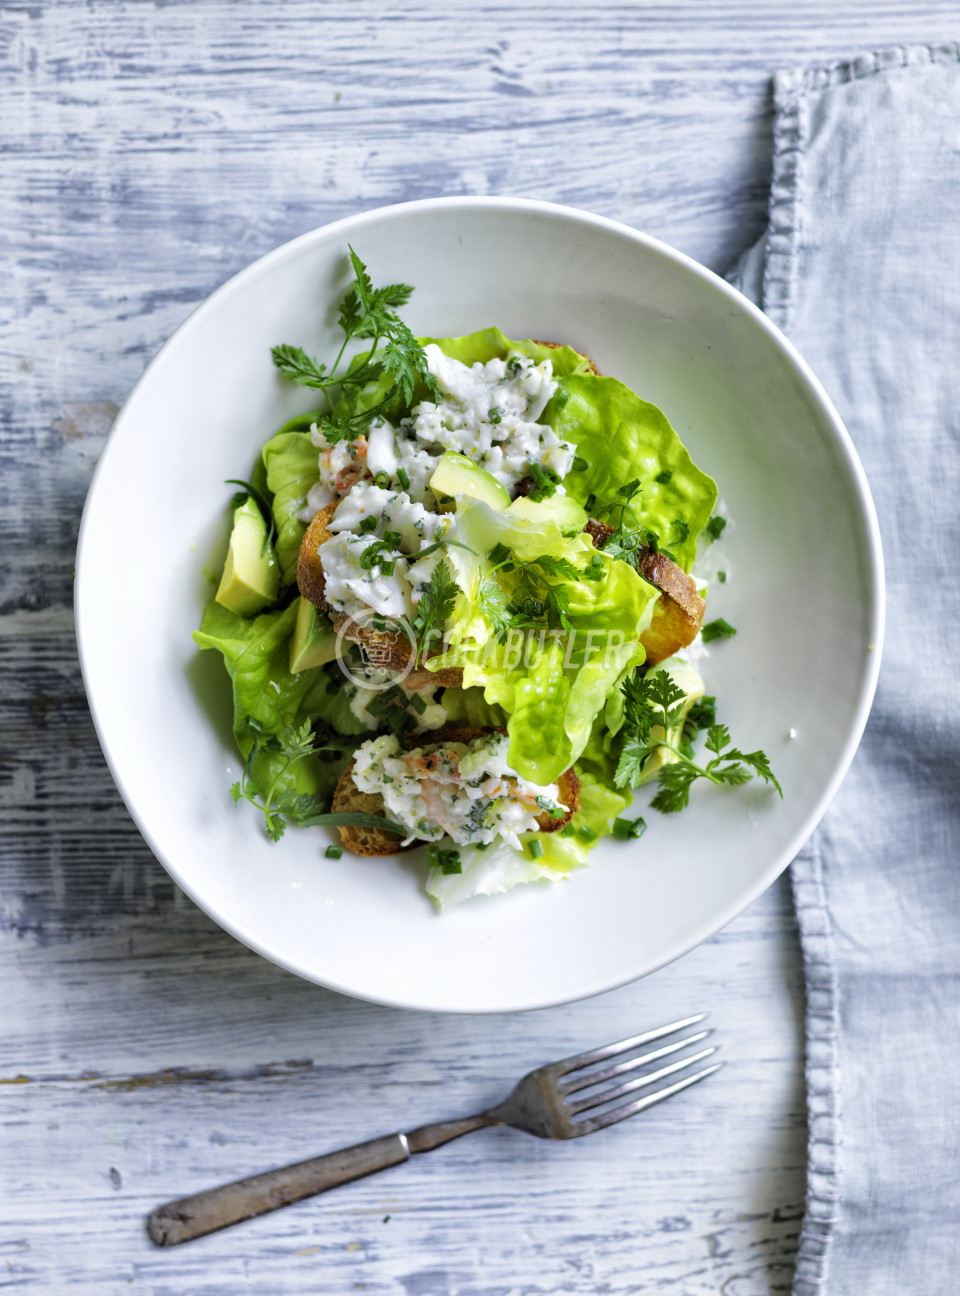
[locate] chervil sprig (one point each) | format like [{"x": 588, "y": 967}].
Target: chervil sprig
[
  {"x": 653, "y": 706},
  {"x": 434, "y": 609},
  {"x": 532, "y": 598},
  {"x": 292, "y": 745},
  {"x": 365, "y": 312}
]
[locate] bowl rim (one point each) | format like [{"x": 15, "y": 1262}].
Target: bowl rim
[{"x": 876, "y": 610}]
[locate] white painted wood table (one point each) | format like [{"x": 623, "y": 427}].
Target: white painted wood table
[{"x": 149, "y": 151}]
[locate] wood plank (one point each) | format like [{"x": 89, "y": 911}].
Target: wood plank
[{"x": 150, "y": 151}]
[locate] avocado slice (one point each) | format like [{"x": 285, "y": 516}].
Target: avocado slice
[
  {"x": 455, "y": 474},
  {"x": 686, "y": 677},
  {"x": 314, "y": 640},
  {"x": 569, "y": 516},
  {"x": 251, "y": 574}
]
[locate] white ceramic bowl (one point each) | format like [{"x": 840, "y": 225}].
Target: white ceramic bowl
[{"x": 804, "y": 589}]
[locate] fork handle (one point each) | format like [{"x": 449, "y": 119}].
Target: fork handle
[{"x": 216, "y": 1208}]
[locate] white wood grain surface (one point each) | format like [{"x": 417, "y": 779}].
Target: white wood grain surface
[{"x": 149, "y": 151}]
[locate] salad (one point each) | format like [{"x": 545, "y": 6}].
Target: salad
[{"x": 457, "y": 608}]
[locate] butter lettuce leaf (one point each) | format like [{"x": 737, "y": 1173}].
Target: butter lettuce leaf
[
  {"x": 468, "y": 706},
  {"x": 292, "y": 464},
  {"x": 551, "y": 684},
  {"x": 492, "y": 344},
  {"x": 621, "y": 438},
  {"x": 255, "y": 651}
]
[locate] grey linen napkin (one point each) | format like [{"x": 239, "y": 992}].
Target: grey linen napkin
[{"x": 860, "y": 266}]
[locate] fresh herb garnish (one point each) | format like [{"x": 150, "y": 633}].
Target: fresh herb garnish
[
  {"x": 292, "y": 745},
  {"x": 434, "y": 609},
  {"x": 629, "y": 534},
  {"x": 655, "y": 701},
  {"x": 535, "y": 848},
  {"x": 354, "y": 819},
  {"x": 701, "y": 715},
  {"x": 718, "y": 629},
  {"x": 715, "y": 526},
  {"x": 365, "y": 312},
  {"x": 447, "y": 861},
  {"x": 629, "y": 829}
]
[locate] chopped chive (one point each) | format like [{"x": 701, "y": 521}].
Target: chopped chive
[
  {"x": 628, "y": 829},
  {"x": 561, "y": 397},
  {"x": 482, "y": 846},
  {"x": 371, "y": 556},
  {"x": 404, "y": 478},
  {"x": 333, "y": 852},
  {"x": 715, "y": 527},
  {"x": 418, "y": 704},
  {"x": 499, "y": 553},
  {"x": 591, "y": 501},
  {"x": 535, "y": 496},
  {"x": 568, "y": 831},
  {"x": 495, "y": 415},
  {"x": 718, "y": 629},
  {"x": 392, "y": 538},
  {"x": 382, "y": 480},
  {"x": 587, "y": 833},
  {"x": 722, "y": 577},
  {"x": 663, "y": 477},
  {"x": 579, "y": 463},
  {"x": 535, "y": 849},
  {"x": 368, "y": 524}
]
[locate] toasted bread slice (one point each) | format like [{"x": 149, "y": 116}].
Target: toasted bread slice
[
  {"x": 678, "y": 614},
  {"x": 389, "y": 649},
  {"x": 371, "y": 841}
]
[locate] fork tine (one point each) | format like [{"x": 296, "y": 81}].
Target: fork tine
[
  {"x": 597, "y": 1077},
  {"x": 641, "y": 1104},
  {"x": 640, "y": 1082},
  {"x": 611, "y": 1050}
]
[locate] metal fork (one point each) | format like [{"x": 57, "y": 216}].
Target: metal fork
[{"x": 541, "y": 1104}]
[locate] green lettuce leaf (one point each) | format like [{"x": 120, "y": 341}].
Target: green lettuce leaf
[
  {"x": 255, "y": 652},
  {"x": 492, "y": 344},
  {"x": 292, "y": 464},
  {"x": 550, "y": 685},
  {"x": 468, "y": 706},
  {"x": 622, "y": 438}
]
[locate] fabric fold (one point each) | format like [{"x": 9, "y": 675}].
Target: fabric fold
[{"x": 860, "y": 266}]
